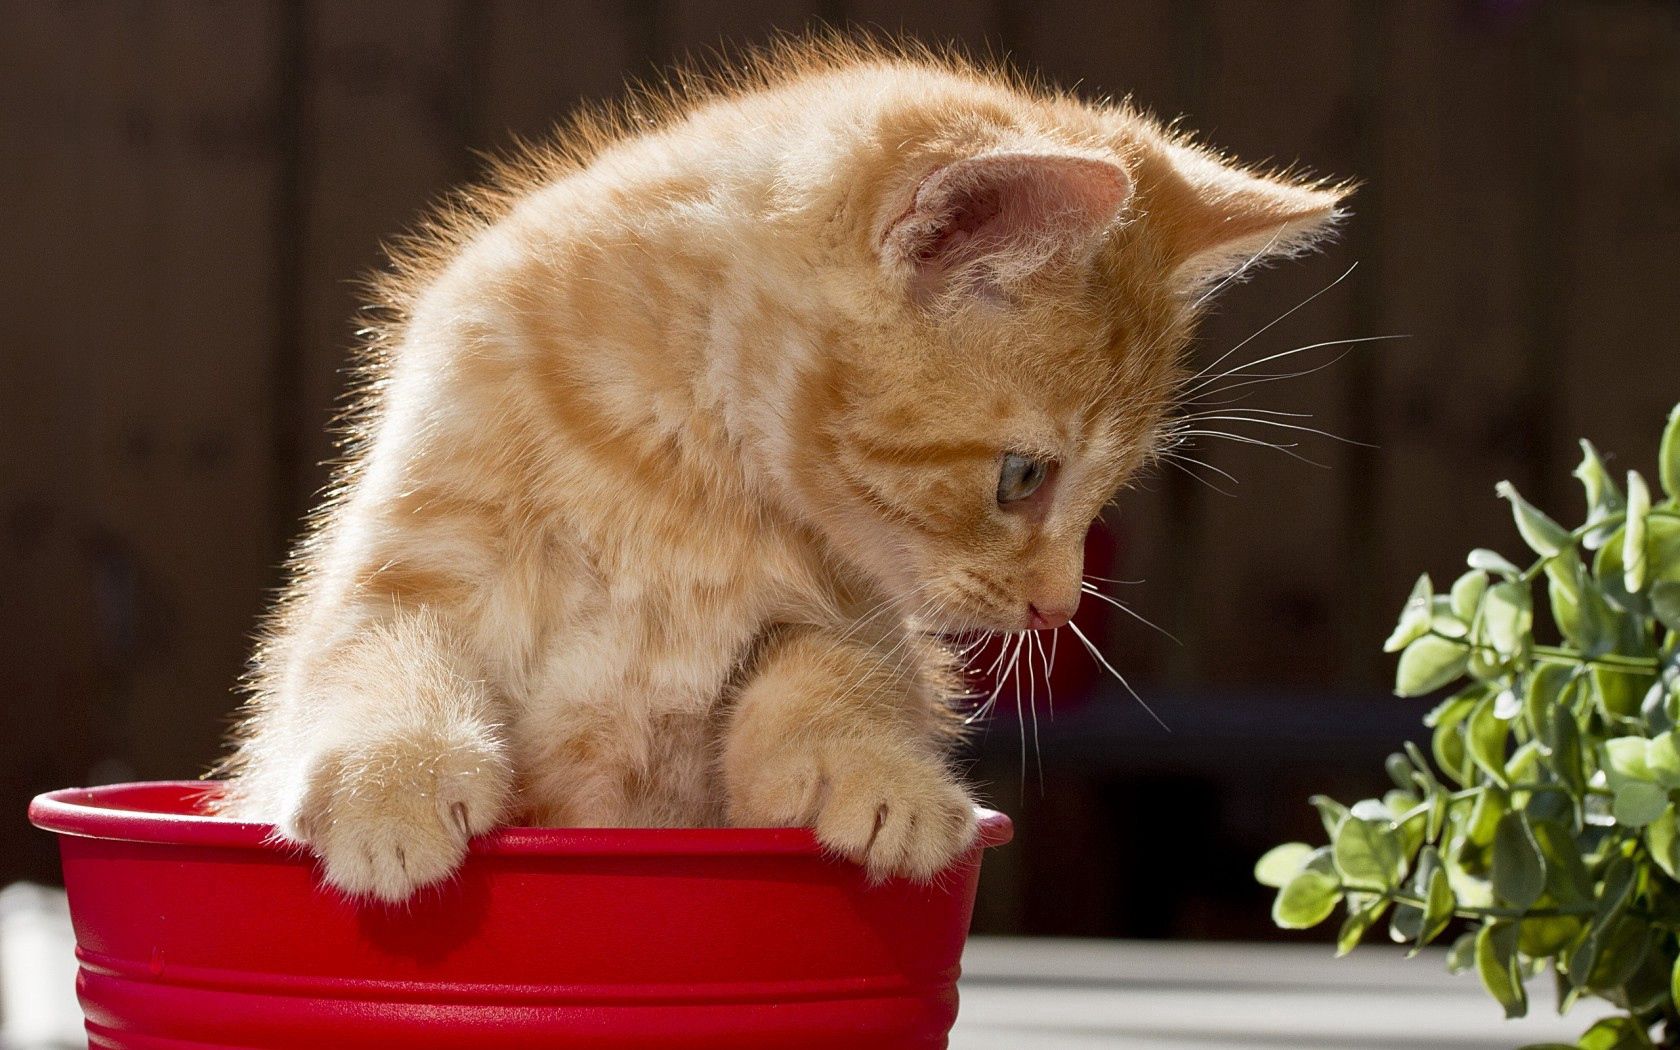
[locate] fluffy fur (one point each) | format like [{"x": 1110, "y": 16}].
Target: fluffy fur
[{"x": 681, "y": 439}]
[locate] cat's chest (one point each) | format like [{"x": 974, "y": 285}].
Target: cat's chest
[{"x": 672, "y": 644}]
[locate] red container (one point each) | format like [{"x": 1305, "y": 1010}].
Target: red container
[{"x": 194, "y": 932}]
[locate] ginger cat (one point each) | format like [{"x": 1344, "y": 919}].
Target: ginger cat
[{"x": 685, "y": 440}]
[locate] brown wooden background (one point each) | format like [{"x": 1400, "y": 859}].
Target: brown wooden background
[{"x": 188, "y": 190}]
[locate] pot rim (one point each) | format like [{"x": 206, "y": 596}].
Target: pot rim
[{"x": 101, "y": 813}]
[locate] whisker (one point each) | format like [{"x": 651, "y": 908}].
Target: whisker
[
  {"x": 1256, "y": 378},
  {"x": 1244, "y": 439},
  {"x": 1193, "y": 461},
  {"x": 1283, "y": 426},
  {"x": 1129, "y": 611},
  {"x": 1106, "y": 579},
  {"x": 1100, "y": 658},
  {"x": 1282, "y": 354},
  {"x": 1269, "y": 325}
]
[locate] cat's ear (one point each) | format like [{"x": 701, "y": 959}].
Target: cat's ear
[
  {"x": 981, "y": 223},
  {"x": 1218, "y": 219}
]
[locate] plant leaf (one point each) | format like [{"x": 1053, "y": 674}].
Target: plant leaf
[
  {"x": 1368, "y": 852},
  {"x": 1496, "y": 964},
  {"x": 1604, "y": 499},
  {"x": 1665, "y": 603},
  {"x": 1492, "y": 561},
  {"x": 1635, "y": 563},
  {"x": 1486, "y": 734},
  {"x": 1306, "y": 900},
  {"x": 1414, "y": 617},
  {"x": 1668, "y": 455},
  {"x": 1615, "y": 1033},
  {"x": 1281, "y": 863},
  {"x": 1508, "y": 617},
  {"x": 1543, "y": 535},
  {"x": 1428, "y": 664},
  {"x": 1467, "y": 593},
  {"x": 1356, "y": 924},
  {"x": 1519, "y": 868},
  {"x": 1330, "y": 813},
  {"x": 1662, "y": 838},
  {"x": 1438, "y": 911}
]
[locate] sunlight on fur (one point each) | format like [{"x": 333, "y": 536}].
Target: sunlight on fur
[{"x": 687, "y": 445}]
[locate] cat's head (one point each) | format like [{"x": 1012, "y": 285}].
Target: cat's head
[{"x": 1021, "y": 280}]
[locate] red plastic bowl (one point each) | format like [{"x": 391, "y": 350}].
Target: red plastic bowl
[{"x": 194, "y": 931}]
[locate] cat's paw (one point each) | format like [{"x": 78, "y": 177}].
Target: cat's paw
[
  {"x": 895, "y": 813},
  {"x": 390, "y": 817}
]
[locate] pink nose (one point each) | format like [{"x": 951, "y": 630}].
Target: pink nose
[{"x": 1046, "y": 619}]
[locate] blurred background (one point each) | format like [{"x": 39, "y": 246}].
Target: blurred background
[{"x": 190, "y": 190}]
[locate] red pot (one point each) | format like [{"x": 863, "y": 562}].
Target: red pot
[{"x": 194, "y": 931}]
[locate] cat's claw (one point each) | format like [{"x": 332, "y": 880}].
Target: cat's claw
[
  {"x": 389, "y": 818},
  {"x": 902, "y": 816}
]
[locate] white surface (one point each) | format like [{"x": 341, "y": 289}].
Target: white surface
[
  {"x": 37, "y": 971},
  {"x": 1077, "y": 995},
  {"x": 1028, "y": 994}
]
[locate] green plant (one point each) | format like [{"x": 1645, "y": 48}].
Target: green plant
[{"x": 1548, "y": 819}]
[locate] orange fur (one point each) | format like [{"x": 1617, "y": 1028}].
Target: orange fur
[{"x": 680, "y": 436}]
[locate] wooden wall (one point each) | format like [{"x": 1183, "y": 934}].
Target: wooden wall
[{"x": 190, "y": 190}]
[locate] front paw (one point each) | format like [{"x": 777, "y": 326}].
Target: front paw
[
  {"x": 895, "y": 812},
  {"x": 394, "y": 815}
]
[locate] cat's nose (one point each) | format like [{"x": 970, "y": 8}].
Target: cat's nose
[{"x": 1049, "y": 617}]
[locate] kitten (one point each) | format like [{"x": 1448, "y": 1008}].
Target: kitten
[{"x": 679, "y": 448}]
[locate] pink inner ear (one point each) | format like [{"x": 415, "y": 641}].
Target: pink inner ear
[{"x": 1012, "y": 210}]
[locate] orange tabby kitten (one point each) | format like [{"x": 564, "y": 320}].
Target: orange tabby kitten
[{"x": 681, "y": 448}]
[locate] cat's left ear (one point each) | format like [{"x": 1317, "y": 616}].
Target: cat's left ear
[
  {"x": 982, "y": 223},
  {"x": 1218, "y": 219}
]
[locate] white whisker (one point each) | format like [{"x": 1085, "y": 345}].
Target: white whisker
[
  {"x": 1129, "y": 611},
  {"x": 1100, "y": 658}
]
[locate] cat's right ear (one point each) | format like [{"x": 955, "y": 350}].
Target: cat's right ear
[{"x": 981, "y": 224}]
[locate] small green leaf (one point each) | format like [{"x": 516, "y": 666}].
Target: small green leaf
[
  {"x": 1330, "y": 813},
  {"x": 1662, "y": 548},
  {"x": 1567, "y": 879},
  {"x": 1662, "y": 759},
  {"x": 1486, "y": 737},
  {"x": 1428, "y": 664},
  {"x": 1414, "y": 617},
  {"x": 1467, "y": 593},
  {"x": 1462, "y": 955},
  {"x": 1281, "y": 863},
  {"x": 1492, "y": 561},
  {"x": 1636, "y": 804},
  {"x": 1615, "y": 1033},
  {"x": 1546, "y": 935},
  {"x": 1634, "y": 554},
  {"x": 1356, "y": 924},
  {"x": 1668, "y": 455},
  {"x": 1617, "y": 692},
  {"x": 1665, "y": 603},
  {"x": 1623, "y": 948},
  {"x": 1497, "y": 965},
  {"x": 1519, "y": 869},
  {"x": 1440, "y": 905},
  {"x": 1488, "y": 810},
  {"x": 1662, "y": 838},
  {"x": 1306, "y": 900},
  {"x": 1674, "y": 974},
  {"x": 1604, "y": 499},
  {"x": 1508, "y": 617},
  {"x": 1367, "y": 852},
  {"x": 1543, "y": 535}
]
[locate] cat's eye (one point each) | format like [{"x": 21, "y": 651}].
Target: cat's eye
[{"x": 1019, "y": 476}]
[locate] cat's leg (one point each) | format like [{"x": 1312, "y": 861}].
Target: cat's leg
[
  {"x": 843, "y": 737},
  {"x": 399, "y": 759}
]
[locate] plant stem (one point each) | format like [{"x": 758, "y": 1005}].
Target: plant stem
[{"x": 1608, "y": 661}]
